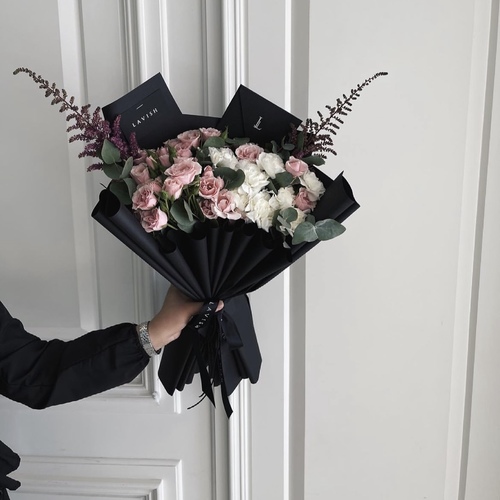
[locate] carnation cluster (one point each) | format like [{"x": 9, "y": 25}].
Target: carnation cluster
[{"x": 201, "y": 174}]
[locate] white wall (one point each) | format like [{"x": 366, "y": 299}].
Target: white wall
[{"x": 382, "y": 398}]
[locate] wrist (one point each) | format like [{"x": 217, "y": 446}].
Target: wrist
[{"x": 145, "y": 339}]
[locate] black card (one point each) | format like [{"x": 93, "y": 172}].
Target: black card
[
  {"x": 251, "y": 115},
  {"x": 149, "y": 111}
]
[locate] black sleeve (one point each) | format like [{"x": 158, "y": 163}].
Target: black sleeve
[{"x": 42, "y": 373}]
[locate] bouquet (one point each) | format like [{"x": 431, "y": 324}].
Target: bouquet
[{"x": 218, "y": 206}]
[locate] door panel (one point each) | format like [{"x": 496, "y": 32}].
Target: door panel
[{"x": 63, "y": 275}]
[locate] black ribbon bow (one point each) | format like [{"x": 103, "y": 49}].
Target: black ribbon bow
[{"x": 220, "y": 345}]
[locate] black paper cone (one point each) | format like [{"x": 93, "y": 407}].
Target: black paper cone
[{"x": 217, "y": 263}]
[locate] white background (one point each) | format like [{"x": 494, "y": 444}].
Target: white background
[{"x": 380, "y": 375}]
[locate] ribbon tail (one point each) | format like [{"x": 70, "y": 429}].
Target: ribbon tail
[
  {"x": 225, "y": 399},
  {"x": 206, "y": 382}
]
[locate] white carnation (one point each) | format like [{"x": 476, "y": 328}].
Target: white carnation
[
  {"x": 255, "y": 178},
  {"x": 223, "y": 157},
  {"x": 240, "y": 199},
  {"x": 284, "y": 198},
  {"x": 260, "y": 211},
  {"x": 313, "y": 185},
  {"x": 271, "y": 163}
]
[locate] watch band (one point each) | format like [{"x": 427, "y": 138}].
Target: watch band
[{"x": 143, "y": 332}]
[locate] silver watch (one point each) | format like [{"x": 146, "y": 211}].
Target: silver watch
[{"x": 145, "y": 341}]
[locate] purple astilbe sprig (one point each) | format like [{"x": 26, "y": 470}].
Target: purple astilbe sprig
[
  {"x": 93, "y": 128},
  {"x": 317, "y": 137},
  {"x": 135, "y": 150},
  {"x": 117, "y": 138}
]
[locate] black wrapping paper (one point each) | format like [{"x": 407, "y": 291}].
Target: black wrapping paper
[
  {"x": 251, "y": 115},
  {"x": 217, "y": 262},
  {"x": 151, "y": 113}
]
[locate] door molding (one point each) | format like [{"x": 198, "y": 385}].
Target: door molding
[{"x": 484, "y": 53}]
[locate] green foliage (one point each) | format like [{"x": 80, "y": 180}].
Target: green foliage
[
  {"x": 214, "y": 142},
  {"x": 233, "y": 179},
  {"x": 112, "y": 170},
  {"x": 237, "y": 141},
  {"x": 322, "y": 230},
  {"x": 122, "y": 190},
  {"x": 314, "y": 160},
  {"x": 109, "y": 153},
  {"x": 183, "y": 215},
  {"x": 283, "y": 179}
]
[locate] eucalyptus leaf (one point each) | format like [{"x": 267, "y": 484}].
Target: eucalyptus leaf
[
  {"x": 289, "y": 214},
  {"x": 188, "y": 210},
  {"x": 284, "y": 179},
  {"x": 109, "y": 152},
  {"x": 288, "y": 147},
  {"x": 285, "y": 155},
  {"x": 214, "y": 142},
  {"x": 181, "y": 213},
  {"x": 322, "y": 230},
  {"x": 272, "y": 187},
  {"x": 284, "y": 222},
  {"x": 328, "y": 229},
  {"x": 237, "y": 141},
  {"x": 305, "y": 231},
  {"x": 300, "y": 140},
  {"x": 233, "y": 179},
  {"x": 131, "y": 186},
  {"x": 121, "y": 191},
  {"x": 314, "y": 160},
  {"x": 112, "y": 170},
  {"x": 187, "y": 228},
  {"x": 201, "y": 156},
  {"x": 127, "y": 168}
]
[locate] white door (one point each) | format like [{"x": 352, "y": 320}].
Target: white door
[
  {"x": 385, "y": 385},
  {"x": 62, "y": 275}
]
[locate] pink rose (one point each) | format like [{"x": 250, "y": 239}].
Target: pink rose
[
  {"x": 184, "y": 170},
  {"x": 190, "y": 138},
  {"x": 209, "y": 132},
  {"x": 153, "y": 220},
  {"x": 173, "y": 187},
  {"x": 140, "y": 173},
  {"x": 225, "y": 205},
  {"x": 150, "y": 163},
  {"x": 181, "y": 150},
  {"x": 210, "y": 185},
  {"x": 145, "y": 196},
  {"x": 207, "y": 207},
  {"x": 296, "y": 167},
  {"x": 164, "y": 157},
  {"x": 208, "y": 171},
  {"x": 248, "y": 151},
  {"x": 141, "y": 157},
  {"x": 303, "y": 202}
]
